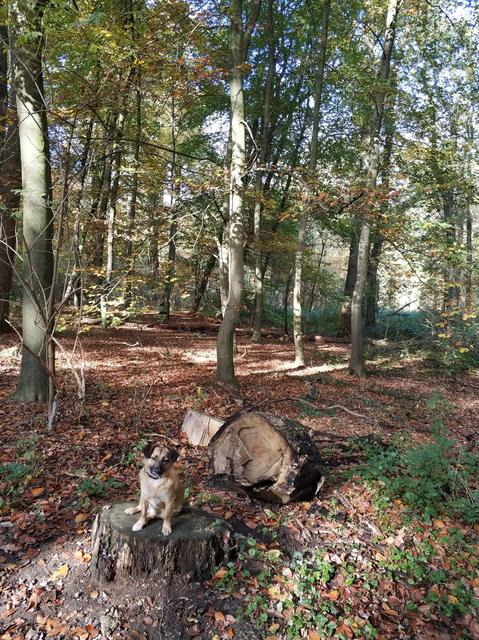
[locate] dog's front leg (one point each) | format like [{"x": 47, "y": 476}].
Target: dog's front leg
[
  {"x": 167, "y": 515},
  {"x": 139, "y": 524}
]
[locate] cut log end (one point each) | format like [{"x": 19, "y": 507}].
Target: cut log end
[
  {"x": 196, "y": 545},
  {"x": 270, "y": 457}
]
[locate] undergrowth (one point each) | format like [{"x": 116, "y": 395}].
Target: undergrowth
[{"x": 440, "y": 476}]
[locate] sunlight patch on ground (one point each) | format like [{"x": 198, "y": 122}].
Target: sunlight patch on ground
[
  {"x": 200, "y": 356},
  {"x": 310, "y": 371}
]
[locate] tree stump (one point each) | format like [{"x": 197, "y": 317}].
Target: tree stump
[
  {"x": 198, "y": 542},
  {"x": 267, "y": 456}
]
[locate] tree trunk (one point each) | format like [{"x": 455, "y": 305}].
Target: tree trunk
[
  {"x": 75, "y": 286},
  {"x": 303, "y": 221},
  {"x": 210, "y": 265},
  {"x": 344, "y": 329},
  {"x": 372, "y": 285},
  {"x": 10, "y": 183},
  {"x": 468, "y": 292},
  {"x": 225, "y": 360},
  {"x": 285, "y": 303},
  {"x": 371, "y": 165},
  {"x": 198, "y": 543},
  {"x": 130, "y": 260},
  {"x": 26, "y": 16},
  {"x": 264, "y": 152}
]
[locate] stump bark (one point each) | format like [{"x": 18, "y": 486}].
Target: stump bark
[
  {"x": 198, "y": 542},
  {"x": 269, "y": 457}
]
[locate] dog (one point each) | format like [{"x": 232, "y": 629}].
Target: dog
[{"x": 161, "y": 490}]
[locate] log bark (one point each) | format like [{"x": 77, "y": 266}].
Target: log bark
[
  {"x": 266, "y": 456},
  {"x": 198, "y": 543}
]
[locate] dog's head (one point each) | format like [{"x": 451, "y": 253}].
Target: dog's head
[{"x": 158, "y": 459}]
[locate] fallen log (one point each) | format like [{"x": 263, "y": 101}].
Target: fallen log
[
  {"x": 198, "y": 542},
  {"x": 200, "y": 428},
  {"x": 269, "y": 457}
]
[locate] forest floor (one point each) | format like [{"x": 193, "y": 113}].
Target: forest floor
[{"x": 354, "y": 562}]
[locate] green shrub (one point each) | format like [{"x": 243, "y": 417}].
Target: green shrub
[{"x": 435, "y": 477}]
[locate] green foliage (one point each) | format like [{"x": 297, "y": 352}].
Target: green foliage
[
  {"x": 133, "y": 454},
  {"x": 17, "y": 474},
  {"x": 435, "y": 477},
  {"x": 98, "y": 488}
]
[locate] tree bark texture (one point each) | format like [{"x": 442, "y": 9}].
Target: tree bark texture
[
  {"x": 303, "y": 221},
  {"x": 26, "y": 16},
  {"x": 225, "y": 359},
  {"x": 198, "y": 543},
  {"x": 263, "y": 155},
  {"x": 371, "y": 169}
]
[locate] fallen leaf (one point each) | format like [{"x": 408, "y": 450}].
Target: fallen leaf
[
  {"x": 221, "y": 573},
  {"x": 81, "y": 517},
  {"x": 313, "y": 635},
  {"x": 61, "y": 572},
  {"x": 251, "y": 524},
  {"x": 37, "y": 491},
  {"x": 219, "y": 616}
]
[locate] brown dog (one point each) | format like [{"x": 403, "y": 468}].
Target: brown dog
[{"x": 161, "y": 491}]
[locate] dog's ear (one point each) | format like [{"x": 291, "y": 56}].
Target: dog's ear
[
  {"x": 174, "y": 455},
  {"x": 148, "y": 450}
]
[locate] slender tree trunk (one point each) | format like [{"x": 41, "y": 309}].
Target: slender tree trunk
[
  {"x": 372, "y": 284},
  {"x": 154, "y": 258},
  {"x": 285, "y": 303},
  {"x": 469, "y": 259},
  {"x": 371, "y": 165},
  {"x": 10, "y": 182},
  {"x": 224, "y": 240},
  {"x": 101, "y": 196},
  {"x": 33, "y": 384},
  {"x": 130, "y": 260},
  {"x": 303, "y": 221},
  {"x": 75, "y": 286},
  {"x": 208, "y": 270},
  {"x": 264, "y": 152},
  {"x": 224, "y": 351},
  {"x": 344, "y": 329}
]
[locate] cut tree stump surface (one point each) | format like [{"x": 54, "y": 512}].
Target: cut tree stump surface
[
  {"x": 198, "y": 542},
  {"x": 268, "y": 456}
]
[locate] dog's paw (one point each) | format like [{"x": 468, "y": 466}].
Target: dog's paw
[
  {"x": 166, "y": 529},
  {"x": 130, "y": 510},
  {"x": 138, "y": 526}
]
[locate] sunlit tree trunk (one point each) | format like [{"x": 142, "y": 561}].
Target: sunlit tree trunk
[
  {"x": 303, "y": 221},
  {"x": 26, "y": 16},
  {"x": 225, "y": 360},
  {"x": 371, "y": 168}
]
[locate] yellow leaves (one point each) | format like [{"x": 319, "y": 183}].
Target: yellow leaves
[{"x": 59, "y": 573}]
